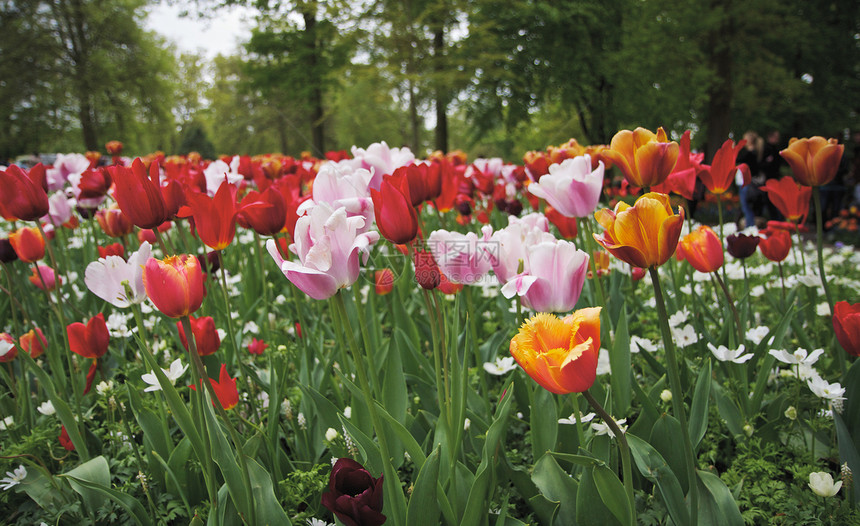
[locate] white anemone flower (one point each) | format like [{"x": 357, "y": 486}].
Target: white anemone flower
[
  {"x": 17, "y": 476},
  {"x": 176, "y": 370},
  {"x": 502, "y": 365},
  {"x": 823, "y": 389},
  {"x": 723, "y": 354},
  {"x": 798, "y": 357},
  {"x": 572, "y": 418},
  {"x": 822, "y": 484}
]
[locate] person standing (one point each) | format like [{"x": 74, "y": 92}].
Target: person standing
[{"x": 751, "y": 196}]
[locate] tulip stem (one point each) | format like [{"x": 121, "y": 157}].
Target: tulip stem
[
  {"x": 392, "y": 481},
  {"x": 216, "y": 403},
  {"x": 732, "y": 306},
  {"x": 677, "y": 395},
  {"x": 622, "y": 446},
  {"x": 819, "y": 230},
  {"x": 593, "y": 248}
]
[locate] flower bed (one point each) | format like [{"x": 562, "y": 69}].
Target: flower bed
[{"x": 372, "y": 338}]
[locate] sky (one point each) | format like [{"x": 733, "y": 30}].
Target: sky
[{"x": 221, "y": 33}]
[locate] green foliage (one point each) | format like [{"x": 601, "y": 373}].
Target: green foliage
[{"x": 301, "y": 491}]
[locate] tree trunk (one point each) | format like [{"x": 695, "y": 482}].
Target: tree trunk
[
  {"x": 441, "y": 95},
  {"x": 317, "y": 112},
  {"x": 413, "y": 117},
  {"x": 88, "y": 123},
  {"x": 719, "y": 118}
]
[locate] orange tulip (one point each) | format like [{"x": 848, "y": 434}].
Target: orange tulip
[
  {"x": 560, "y": 354},
  {"x": 384, "y": 281},
  {"x": 814, "y": 161},
  {"x": 33, "y": 342},
  {"x": 791, "y": 199},
  {"x": 719, "y": 176},
  {"x": 114, "y": 222},
  {"x": 645, "y": 158},
  {"x": 703, "y": 249},
  {"x": 174, "y": 284},
  {"x": 28, "y": 244},
  {"x": 644, "y": 235}
]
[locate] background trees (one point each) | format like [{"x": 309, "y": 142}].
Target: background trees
[{"x": 492, "y": 76}]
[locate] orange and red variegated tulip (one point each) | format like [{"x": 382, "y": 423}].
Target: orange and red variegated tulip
[
  {"x": 702, "y": 249},
  {"x": 719, "y": 176},
  {"x": 205, "y": 335},
  {"x": 645, "y": 234},
  {"x": 113, "y": 147},
  {"x": 33, "y": 342},
  {"x": 560, "y": 354},
  {"x": 392, "y": 205},
  {"x": 814, "y": 161},
  {"x": 790, "y": 198},
  {"x": 846, "y": 325},
  {"x": 225, "y": 389},
  {"x": 174, "y": 284},
  {"x": 384, "y": 281},
  {"x": 90, "y": 340},
  {"x": 28, "y": 244},
  {"x": 138, "y": 195},
  {"x": 8, "y": 349},
  {"x": 114, "y": 222},
  {"x": 644, "y": 157},
  {"x": 776, "y": 244},
  {"x": 24, "y": 195}
]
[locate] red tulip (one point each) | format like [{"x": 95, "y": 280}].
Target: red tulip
[
  {"x": 703, "y": 249},
  {"x": 94, "y": 184},
  {"x": 566, "y": 225},
  {"x": 225, "y": 389},
  {"x": 114, "y": 222},
  {"x": 846, "y": 325},
  {"x": 114, "y": 249},
  {"x": 28, "y": 244},
  {"x": 33, "y": 342},
  {"x": 426, "y": 270},
  {"x": 7, "y": 348},
  {"x": 791, "y": 199},
  {"x": 139, "y": 196},
  {"x": 90, "y": 340},
  {"x": 266, "y": 221},
  {"x": 392, "y": 205},
  {"x": 65, "y": 441},
  {"x": 257, "y": 346},
  {"x": 175, "y": 284},
  {"x": 205, "y": 335},
  {"x": 719, "y": 176},
  {"x": 24, "y": 195},
  {"x": 215, "y": 217},
  {"x": 776, "y": 245},
  {"x": 384, "y": 281}
]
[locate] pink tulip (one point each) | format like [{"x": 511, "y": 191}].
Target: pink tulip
[
  {"x": 381, "y": 160},
  {"x": 462, "y": 258},
  {"x": 328, "y": 244},
  {"x": 571, "y": 187},
  {"x": 508, "y": 246},
  {"x": 552, "y": 277}
]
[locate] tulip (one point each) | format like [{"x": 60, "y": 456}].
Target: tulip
[
  {"x": 846, "y": 325},
  {"x": 427, "y": 272},
  {"x": 7, "y": 252},
  {"x": 682, "y": 180},
  {"x": 384, "y": 281},
  {"x": 113, "y": 147},
  {"x": 571, "y": 187},
  {"x": 225, "y": 389},
  {"x": 329, "y": 246},
  {"x": 114, "y": 222},
  {"x": 266, "y": 221},
  {"x": 90, "y": 340},
  {"x": 24, "y": 195},
  {"x": 814, "y": 161},
  {"x": 645, "y": 158},
  {"x": 60, "y": 210},
  {"x": 742, "y": 246},
  {"x": 644, "y": 235},
  {"x": 392, "y": 206},
  {"x": 461, "y": 257},
  {"x": 117, "y": 281},
  {"x": 719, "y": 176},
  {"x": 702, "y": 249},
  {"x": 353, "y": 495},
  {"x": 447, "y": 286},
  {"x": 28, "y": 244},
  {"x": 33, "y": 342},
  {"x": 566, "y": 225},
  {"x": 791, "y": 199},
  {"x": 552, "y": 277},
  {"x": 205, "y": 335},
  {"x": 257, "y": 346},
  {"x": 8, "y": 350},
  {"x": 65, "y": 441},
  {"x": 114, "y": 249},
  {"x": 174, "y": 284},
  {"x": 215, "y": 217},
  {"x": 382, "y": 160},
  {"x": 91, "y": 186},
  {"x": 45, "y": 278},
  {"x": 139, "y": 196},
  {"x": 560, "y": 354},
  {"x": 776, "y": 245}
]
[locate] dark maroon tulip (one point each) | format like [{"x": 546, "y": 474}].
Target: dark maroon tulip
[
  {"x": 742, "y": 246},
  {"x": 353, "y": 495},
  {"x": 7, "y": 253}
]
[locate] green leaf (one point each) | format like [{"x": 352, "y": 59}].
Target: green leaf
[
  {"x": 130, "y": 504},
  {"x": 580, "y": 460},
  {"x": 223, "y": 454},
  {"x": 666, "y": 437},
  {"x": 717, "y": 507},
  {"x": 698, "y": 423},
  {"x": 394, "y": 394},
  {"x": 847, "y": 450},
  {"x": 269, "y": 510},
  {"x": 557, "y": 486},
  {"x": 94, "y": 471},
  {"x": 367, "y": 448},
  {"x": 544, "y": 422},
  {"x": 654, "y": 467},
  {"x": 590, "y": 509},
  {"x": 728, "y": 410},
  {"x": 423, "y": 504},
  {"x": 619, "y": 361},
  {"x": 612, "y": 493}
]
